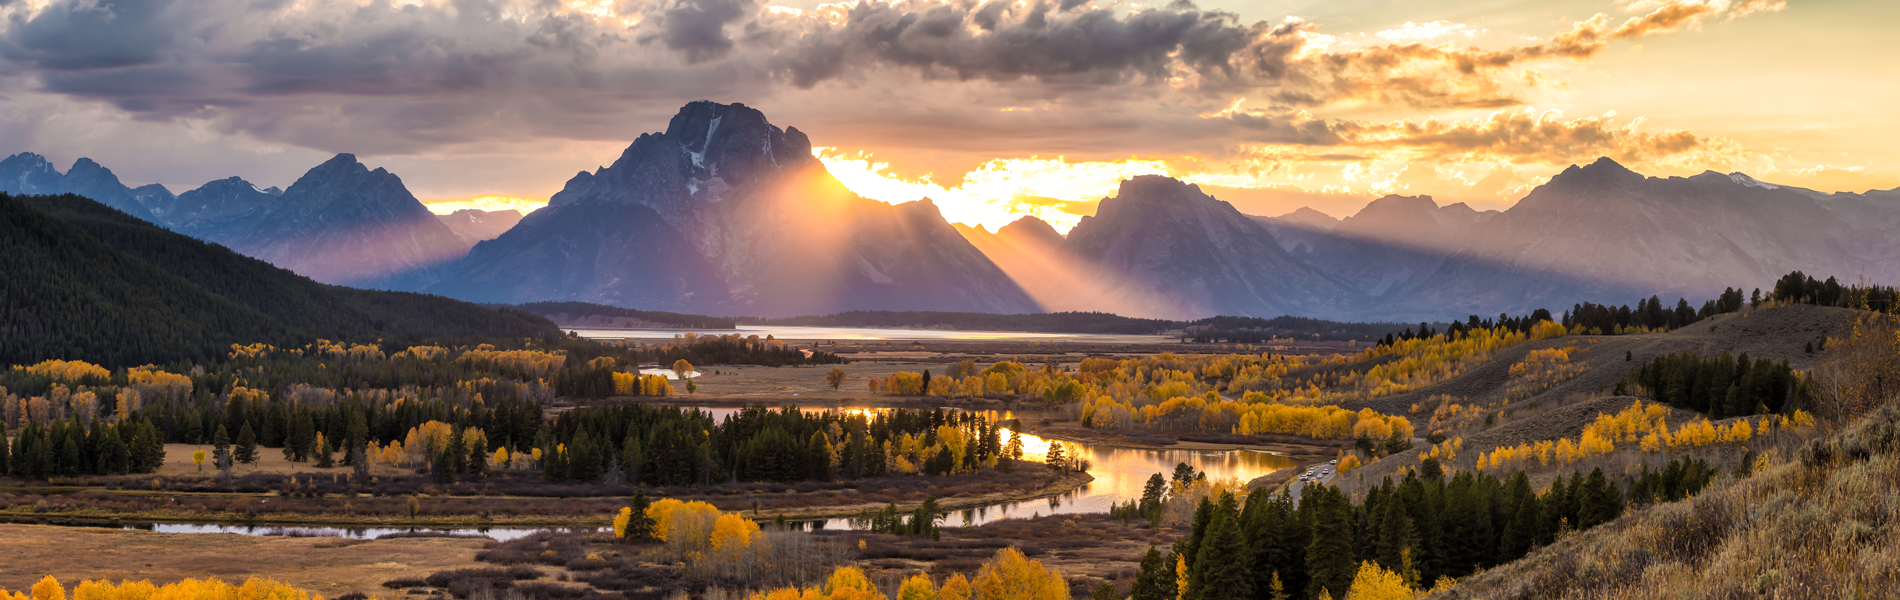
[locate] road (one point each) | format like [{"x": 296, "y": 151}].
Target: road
[{"x": 1322, "y": 473}]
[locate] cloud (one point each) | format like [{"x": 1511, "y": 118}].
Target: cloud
[
  {"x": 433, "y": 74},
  {"x": 1674, "y": 15},
  {"x": 1420, "y": 32},
  {"x": 1539, "y": 137}
]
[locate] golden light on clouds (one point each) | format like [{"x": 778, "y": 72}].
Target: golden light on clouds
[
  {"x": 997, "y": 192},
  {"x": 485, "y": 203}
]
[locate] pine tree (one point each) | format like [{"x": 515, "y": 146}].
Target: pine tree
[
  {"x": 1055, "y": 458},
  {"x": 1396, "y": 537},
  {"x": 114, "y": 457},
  {"x": 148, "y": 448},
  {"x": 1148, "y": 581},
  {"x": 246, "y": 450},
  {"x": 1329, "y": 557},
  {"x": 640, "y": 526},
  {"x": 6, "y": 462},
  {"x": 276, "y": 426},
  {"x": 476, "y": 465},
  {"x": 323, "y": 450},
  {"x": 1224, "y": 568},
  {"x": 69, "y": 457},
  {"x": 221, "y": 449},
  {"x": 1521, "y": 531}
]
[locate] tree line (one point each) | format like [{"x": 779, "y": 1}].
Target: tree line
[
  {"x": 657, "y": 318},
  {"x": 656, "y": 445},
  {"x": 1423, "y": 528},
  {"x": 70, "y": 448},
  {"x": 1722, "y": 386}
]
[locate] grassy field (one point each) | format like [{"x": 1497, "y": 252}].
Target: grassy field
[{"x": 328, "y": 566}]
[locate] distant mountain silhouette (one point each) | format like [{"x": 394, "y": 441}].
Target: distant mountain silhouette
[
  {"x": 86, "y": 281},
  {"x": 725, "y": 213},
  {"x": 340, "y": 223}
]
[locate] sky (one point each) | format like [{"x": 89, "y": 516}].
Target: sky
[{"x": 993, "y": 109}]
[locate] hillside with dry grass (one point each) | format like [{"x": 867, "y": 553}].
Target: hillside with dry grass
[{"x": 1801, "y": 520}]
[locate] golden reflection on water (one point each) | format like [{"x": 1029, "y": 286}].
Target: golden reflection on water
[{"x": 1120, "y": 473}]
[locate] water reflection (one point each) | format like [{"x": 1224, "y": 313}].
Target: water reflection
[
  {"x": 865, "y": 333},
  {"x": 1120, "y": 473}
]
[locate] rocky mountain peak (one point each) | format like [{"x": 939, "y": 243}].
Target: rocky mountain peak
[
  {"x": 29, "y": 173},
  {"x": 707, "y": 150},
  {"x": 1603, "y": 171},
  {"x": 1031, "y": 230},
  {"x": 1309, "y": 218}
]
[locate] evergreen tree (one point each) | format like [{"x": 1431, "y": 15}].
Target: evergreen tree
[
  {"x": 1520, "y": 533},
  {"x": 69, "y": 457},
  {"x": 1190, "y": 549},
  {"x": 1224, "y": 569},
  {"x": 633, "y": 459},
  {"x": 114, "y": 458},
  {"x": 476, "y": 465},
  {"x": 221, "y": 449},
  {"x": 1149, "y": 580},
  {"x": 1330, "y": 559},
  {"x": 639, "y": 526},
  {"x": 276, "y": 426},
  {"x": 1396, "y": 537},
  {"x": 148, "y": 448},
  {"x": 323, "y": 448},
  {"x": 6, "y": 461},
  {"x": 246, "y": 449}
]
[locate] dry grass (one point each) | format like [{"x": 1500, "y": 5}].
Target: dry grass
[
  {"x": 270, "y": 461},
  {"x": 327, "y": 566},
  {"x": 1824, "y": 522}
]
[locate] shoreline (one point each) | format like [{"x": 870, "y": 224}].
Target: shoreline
[{"x": 29, "y": 515}]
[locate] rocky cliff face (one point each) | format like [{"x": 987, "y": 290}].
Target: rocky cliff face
[{"x": 726, "y": 213}]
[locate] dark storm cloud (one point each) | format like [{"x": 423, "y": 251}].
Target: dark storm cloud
[
  {"x": 1004, "y": 42},
  {"x": 697, "y": 28},
  {"x": 69, "y": 36}
]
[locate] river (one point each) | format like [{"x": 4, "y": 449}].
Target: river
[
  {"x": 1120, "y": 473},
  {"x": 865, "y": 333}
]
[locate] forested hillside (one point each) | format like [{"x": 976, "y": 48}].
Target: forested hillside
[{"x": 88, "y": 282}]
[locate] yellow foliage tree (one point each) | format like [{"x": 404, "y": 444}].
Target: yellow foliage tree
[
  {"x": 621, "y": 520},
  {"x": 49, "y": 589},
  {"x": 1374, "y": 583},
  {"x": 732, "y": 532},
  {"x": 1013, "y": 576},
  {"x": 849, "y": 583},
  {"x": 918, "y": 587},
  {"x": 954, "y": 588},
  {"x": 189, "y": 589},
  {"x": 1348, "y": 464}
]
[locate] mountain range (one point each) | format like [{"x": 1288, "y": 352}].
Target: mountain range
[{"x": 726, "y": 213}]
